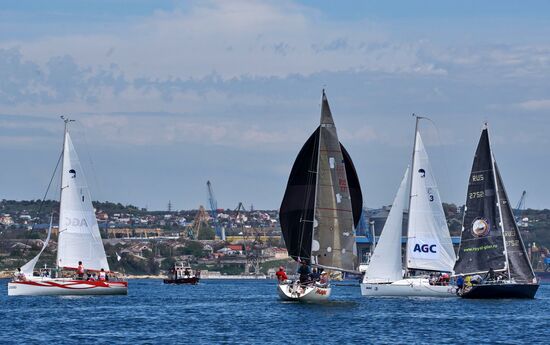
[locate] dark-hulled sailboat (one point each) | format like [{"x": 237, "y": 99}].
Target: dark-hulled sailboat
[
  {"x": 491, "y": 244},
  {"x": 320, "y": 209}
]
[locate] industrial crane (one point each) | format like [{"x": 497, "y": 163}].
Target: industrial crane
[
  {"x": 251, "y": 248},
  {"x": 220, "y": 232},
  {"x": 519, "y": 207},
  {"x": 201, "y": 219}
]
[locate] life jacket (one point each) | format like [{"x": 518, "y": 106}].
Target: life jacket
[
  {"x": 102, "y": 275},
  {"x": 80, "y": 269}
]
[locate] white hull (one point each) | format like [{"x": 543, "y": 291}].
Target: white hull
[
  {"x": 65, "y": 287},
  {"x": 410, "y": 287},
  {"x": 309, "y": 293}
]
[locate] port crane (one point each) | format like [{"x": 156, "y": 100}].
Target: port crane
[
  {"x": 220, "y": 232},
  {"x": 519, "y": 207},
  {"x": 251, "y": 248},
  {"x": 201, "y": 219}
]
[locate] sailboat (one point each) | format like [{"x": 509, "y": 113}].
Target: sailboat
[
  {"x": 320, "y": 209},
  {"x": 429, "y": 245},
  {"x": 79, "y": 240},
  {"x": 491, "y": 243}
]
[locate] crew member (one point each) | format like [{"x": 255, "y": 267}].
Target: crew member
[
  {"x": 20, "y": 275},
  {"x": 490, "y": 276},
  {"x": 315, "y": 275},
  {"x": 80, "y": 270},
  {"x": 102, "y": 275},
  {"x": 281, "y": 274},
  {"x": 324, "y": 278},
  {"x": 304, "y": 272},
  {"x": 460, "y": 283}
]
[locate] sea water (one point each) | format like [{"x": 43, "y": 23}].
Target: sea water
[{"x": 250, "y": 312}]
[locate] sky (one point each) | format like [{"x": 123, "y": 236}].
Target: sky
[{"x": 169, "y": 94}]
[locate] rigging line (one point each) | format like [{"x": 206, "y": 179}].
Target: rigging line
[
  {"x": 92, "y": 167},
  {"x": 44, "y": 199},
  {"x": 444, "y": 157}
]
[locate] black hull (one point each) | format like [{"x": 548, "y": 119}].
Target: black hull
[
  {"x": 192, "y": 281},
  {"x": 493, "y": 291}
]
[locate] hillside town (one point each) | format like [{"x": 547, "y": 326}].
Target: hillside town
[{"x": 241, "y": 241}]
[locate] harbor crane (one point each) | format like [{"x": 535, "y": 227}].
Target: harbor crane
[
  {"x": 252, "y": 248},
  {"x": 518, "y": 211},
  {"x": 220, "y": 231},
  {"x": 201, "y": 219},
  {"x": 519, "y": 208}
]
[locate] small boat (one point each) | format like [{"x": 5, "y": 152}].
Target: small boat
[
  {"x": 79, "y": 240},
  {"x": 320, "y": 210},
  {"x": 491, "y": 247},
  {"x": 429, "y": 245},
  {"x": 183, "y": 274}
]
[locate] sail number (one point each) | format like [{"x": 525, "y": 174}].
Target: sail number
[
  {"x": 476, "y": 195},
  {"x": 477, "y": 178}
]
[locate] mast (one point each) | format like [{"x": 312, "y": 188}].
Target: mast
[
  {"x": 66, "y": 121},
  {"x": 410, "y": 190},
  {"x": 501, "y": 222},
  {"x": 312, "y": 258}
]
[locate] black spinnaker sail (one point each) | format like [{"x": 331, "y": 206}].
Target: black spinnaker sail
[
  {"x": 323, "y": 202},
  {"x": 481, "y": 245},
  {"x": 297, "y": 209}
]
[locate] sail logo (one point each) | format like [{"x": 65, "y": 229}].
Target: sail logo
[
  {"x": 76, "y": 222},
  {"x": 425, "y": 248},
  {"x": 480, "y": 227}
]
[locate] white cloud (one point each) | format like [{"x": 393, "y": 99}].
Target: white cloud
[
  {"x": 232, "y": 39},
  {"x": 535, "y": 104}
]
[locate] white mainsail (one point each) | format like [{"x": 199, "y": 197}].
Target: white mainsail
[
  {"x": 429, "y": 245},
  {"x": 79, "y": 237},
  {"x": 386, "y": 265},
  {"x": 28, "y": 268}
]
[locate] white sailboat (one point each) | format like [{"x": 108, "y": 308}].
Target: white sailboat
[
  {"x": 429, "y": 245},
  {"x": 79, "y": 240}
]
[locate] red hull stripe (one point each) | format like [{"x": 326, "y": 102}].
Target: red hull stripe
[{"x": 71, "y": 284}]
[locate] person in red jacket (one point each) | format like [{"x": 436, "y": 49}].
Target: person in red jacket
[{"x": 281, "y": 274}]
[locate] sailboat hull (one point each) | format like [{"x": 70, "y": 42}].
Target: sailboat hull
[
  {"x": 299, "y": 293},
  {"x": 494, "y": 291},
  {"x": 66, "y": 287},
  {"x": 410, "y": 287}
]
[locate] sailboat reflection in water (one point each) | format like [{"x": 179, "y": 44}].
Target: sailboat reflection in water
[{"x": 320, "y": 210}]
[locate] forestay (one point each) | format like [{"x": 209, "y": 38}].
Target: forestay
[
  {"x": 79, "y": 237},
  {"x": 386, "y": 265},
  {"x": 429, "y": 245}
]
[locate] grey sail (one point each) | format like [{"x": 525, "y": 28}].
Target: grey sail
[
  {"x": 520, "y": 267},
  {"x": 333, "y": 243}
]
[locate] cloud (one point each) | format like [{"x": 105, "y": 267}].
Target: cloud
[
  {"x": 535, "y": 104},
  {"x": 249, "y": 38}
]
